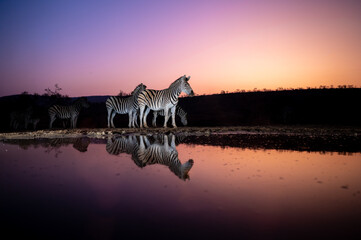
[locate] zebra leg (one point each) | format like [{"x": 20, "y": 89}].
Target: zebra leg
[
  {"x": 111, "y": 119},
  {"x": 169, "y": 115},
  {"x": 154, "y": 122},
  {"x": 75, "y": 120},
  {"x": 16, "y": 125},
  {"x": 172, "y": 110},
  {"x": 166, "y": 117},
  {"x": 135, "y": 118},
  {"x": 72, "y": 122},
  {"x": 130, "y": 116},
  {"x": 52, "y": 119},
  {"x": 109, "y": 110},
  {"x": 172, "y": 141},
  {"x": 165, "y": 142},
  {"x": 145, "y": 117},
  {"x": 141, "y": 113},
  {"x": 147, "y": 143}
]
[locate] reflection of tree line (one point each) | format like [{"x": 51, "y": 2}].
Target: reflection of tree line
[
  {"x": 148, "y": 151},
  {"x": 52, "y": 145}
]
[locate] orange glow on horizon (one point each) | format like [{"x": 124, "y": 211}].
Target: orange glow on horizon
[{"x": 223, "y": 45}]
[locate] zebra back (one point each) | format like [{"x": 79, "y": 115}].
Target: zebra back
[
  {"x": 126, "y": 104},
  {"x": 68, "y": 111},
  {"x": 159, "y": 99}
]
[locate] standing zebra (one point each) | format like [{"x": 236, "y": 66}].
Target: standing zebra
[
  {"x": 67, "y": 112},
  {"x": 166, "y": 99},
  {"x": 123, "y": 105},
  {"x": 24, "y": 118},
  {"x": 179, "y": 111}
]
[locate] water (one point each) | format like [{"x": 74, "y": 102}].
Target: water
[{"x": 113, "y": 189}]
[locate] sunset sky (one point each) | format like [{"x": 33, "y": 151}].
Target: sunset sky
[{"x": 101, "y": 47}]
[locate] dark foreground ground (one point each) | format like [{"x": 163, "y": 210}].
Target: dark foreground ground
[{"x": 301, "y": 138}]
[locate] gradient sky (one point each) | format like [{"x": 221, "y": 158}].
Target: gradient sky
[{"x": 101, "y": 47}]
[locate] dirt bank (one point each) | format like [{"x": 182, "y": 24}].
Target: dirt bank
[{"x": 301, "y": 138}]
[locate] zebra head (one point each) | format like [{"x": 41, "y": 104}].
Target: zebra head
[
  {"x": 138, "y": 89},
  {"x": 185, "y": 168},
  {"x": 83, "y": 102},
  {"x": 186, "y": 88},
  {"x": 184, "y": 119}
]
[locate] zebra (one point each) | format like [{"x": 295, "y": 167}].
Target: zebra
[
  {"x": 23, "y": 117},
  {"x": 166, "y": 99},
  {"x": 34, "y": 121},
  {"x": 179, "y": 111},
  {"x": 123, "y": 105},
  {"x": 67, "y": 112},
  {"x": 163, "y": 154}
]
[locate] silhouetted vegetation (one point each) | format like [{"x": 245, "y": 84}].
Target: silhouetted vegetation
[{"x": 322, "y": 106}]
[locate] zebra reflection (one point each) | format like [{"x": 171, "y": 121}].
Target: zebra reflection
[
  {"x": 146, "y": 153},
  {"x": 80, "y": 144},
  {"x": 128, "y": 145}
]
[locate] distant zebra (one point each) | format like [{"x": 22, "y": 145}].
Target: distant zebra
[
  {"x": 123, "y": 105},
  {"x": 24, "y": 118},
  {"x": 67, "y": 112},
  {"x": 179, "y": 111},
  {"x": 166, "y": 99},
  {"x": 164, "y": 154},
  {"x": 34, "y": 122}
]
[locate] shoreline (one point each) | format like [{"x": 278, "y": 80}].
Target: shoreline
[
  {"x": 189, "y": 131},
  {"x": 299, "y": 138}
]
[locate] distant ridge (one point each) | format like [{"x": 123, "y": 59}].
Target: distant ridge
[{"x": 96, "y": 99}]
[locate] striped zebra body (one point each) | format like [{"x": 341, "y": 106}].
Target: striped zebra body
[
  {"x": 163, "y": 154},
  {"x": 124, "y": 105},
  {"x": 128, "y": 145},
  {"x": 122, "y": 144},
  {"x": 166, "y": 100},
  {"x": 179, "y": 111},
  {"x": 67, "y": 112}
]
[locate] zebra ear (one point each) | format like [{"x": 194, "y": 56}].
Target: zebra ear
[{"x": 189, "y": 77}]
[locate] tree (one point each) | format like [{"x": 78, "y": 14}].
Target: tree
[
  {"x": 122, "y": 94},
  {"x": 56, "y": 92}
]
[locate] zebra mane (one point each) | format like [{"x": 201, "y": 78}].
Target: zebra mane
[
  {"x": 136, "y": 89},
  {"x": 176, "y": 82}
]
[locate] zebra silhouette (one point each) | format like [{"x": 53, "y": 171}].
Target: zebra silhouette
[
  {"x": 67, "y": 112},
  {"x": 166, "y": 99},
  {"x": 163, "y": 154},
  {"x": 124, "y": 105},
  {"x": 24, "y": 118},
  {"x": 179, "y": 111}
]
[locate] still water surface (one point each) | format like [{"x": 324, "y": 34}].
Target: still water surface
[{"x": 138, "y": 187}]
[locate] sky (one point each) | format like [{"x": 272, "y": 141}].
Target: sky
[{"x": 103, "y": 47}]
